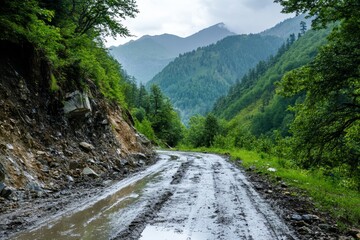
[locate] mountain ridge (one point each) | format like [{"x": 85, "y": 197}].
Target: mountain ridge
[{"x": 148, "y": 55}]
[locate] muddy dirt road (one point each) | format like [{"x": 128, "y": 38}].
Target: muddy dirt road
[{"x": 183, "y": 196}]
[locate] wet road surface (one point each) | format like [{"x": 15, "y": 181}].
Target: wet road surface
[{"x": 189, "y": 196}]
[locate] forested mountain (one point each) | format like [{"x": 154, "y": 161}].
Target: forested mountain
[
  {"x": 194, "y": 80},
  {"x": 145, "y": 57},
  {"x": 253, "y": 104},
  {"x": 288, "y": 26}
]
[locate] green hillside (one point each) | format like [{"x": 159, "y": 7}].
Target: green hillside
[
  {"x": 195, "y": 80},
  {"x": 253, "y": 104}
]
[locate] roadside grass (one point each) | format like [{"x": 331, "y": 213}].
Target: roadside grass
[{"x": 329, "y": 195}]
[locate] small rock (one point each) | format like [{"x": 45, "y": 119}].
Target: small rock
[
  {"x": 118, "y": 151},
  {"x": 90, "y": 160},
  {"x": 310, "y": 217},
  {"x": 105, "y": 122},
  {"x": 269, "y": 191},
  {"x": 324, "y": 226},
  {"x": 141, "y": 163},
  {"x": 69, "y": 178},
  {"x": 33, "y": 187},
  {"x": 89, "y": 172},
  {"x": 41, "y": 153},
  {"x": 87, "y": 146},
  {"x": 9, "y": 146},
  {"x": 124, "y": 162},
  {"x": 296, "y": 217},
  {"x": 304, "y": 230}
]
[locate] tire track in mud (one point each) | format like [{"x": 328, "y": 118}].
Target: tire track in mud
[
  {"x": 137, "y": 226},
  {"x": 238, "y": 196}
]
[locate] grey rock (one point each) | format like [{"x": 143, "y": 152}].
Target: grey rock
[
  {"x": 89, "y": 172},
  {"x": 86, "y": 146},
  {"x": 33, "y": 186},
  {"x": 296, "y": 217},
  {"x": 304, "y": 230},
  {"x": 77, "y": 104},
  {"x": 9, "y": 146},
  {"x": 139, "y": 156},
  {"x": 124, "y": 162},
  {"x": 324, "y": 226},
  {"x": 310, "y": 217},
  {"x": 69, "y": 178},
  {"x": 141, "y": 163}
]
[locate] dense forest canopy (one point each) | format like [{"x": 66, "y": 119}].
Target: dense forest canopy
[{"x": 68, "y": 34}]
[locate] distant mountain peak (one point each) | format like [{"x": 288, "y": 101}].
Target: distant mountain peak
[{"x": 221, "y": 25}]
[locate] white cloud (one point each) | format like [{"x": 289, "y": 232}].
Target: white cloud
[{"x": 185, "y": 17}]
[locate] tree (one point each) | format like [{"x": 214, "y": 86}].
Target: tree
[
  {"x": 156, "y": 100},
  {"x": 324, "y": 11},
  {"x": 326, "y": 126},
  {"x": 211, "y": 129},
  {"x": 303, "y": 27},
  {"x": 103, "y": 17}
]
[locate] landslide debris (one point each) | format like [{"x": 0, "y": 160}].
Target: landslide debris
[{"x": 45, "y": 148}]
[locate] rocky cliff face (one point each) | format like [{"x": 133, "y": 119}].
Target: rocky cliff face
[{"x": 42, "y": 149}]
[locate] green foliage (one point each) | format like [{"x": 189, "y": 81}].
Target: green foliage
[
  {"x": 144, "y": 126},
  {"x": 53, "y": 84},
  {"x": 326, "y": 126},
  {"x": 67, "y": 32},
  {"x": 203, "y": 131},
  {"x": 253, "y": 104},
  {"x": 155, "y": 115},
  {"x": 324, "y": 11}
]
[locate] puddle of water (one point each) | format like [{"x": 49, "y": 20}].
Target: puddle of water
[{"x": 97, "y": 221}]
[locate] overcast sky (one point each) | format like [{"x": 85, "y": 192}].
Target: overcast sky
[{"x": 185, "y": 17}]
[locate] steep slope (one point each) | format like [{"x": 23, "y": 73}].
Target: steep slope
[
  {"x": 145, "y": 57},
  {"x": 41, "y": 147},
  {"x": 194, "y": 81},
  {"x": 253, "y": 103}
]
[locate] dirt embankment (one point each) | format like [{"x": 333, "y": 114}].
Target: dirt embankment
[{"x": 43, "y": 150}]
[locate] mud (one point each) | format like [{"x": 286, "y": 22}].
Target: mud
[{"x": 182, "y": 196}]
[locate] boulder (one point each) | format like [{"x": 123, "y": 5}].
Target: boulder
[
  {"x": 77, "y": 104},
  {"x": 89, "y": 172}
]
